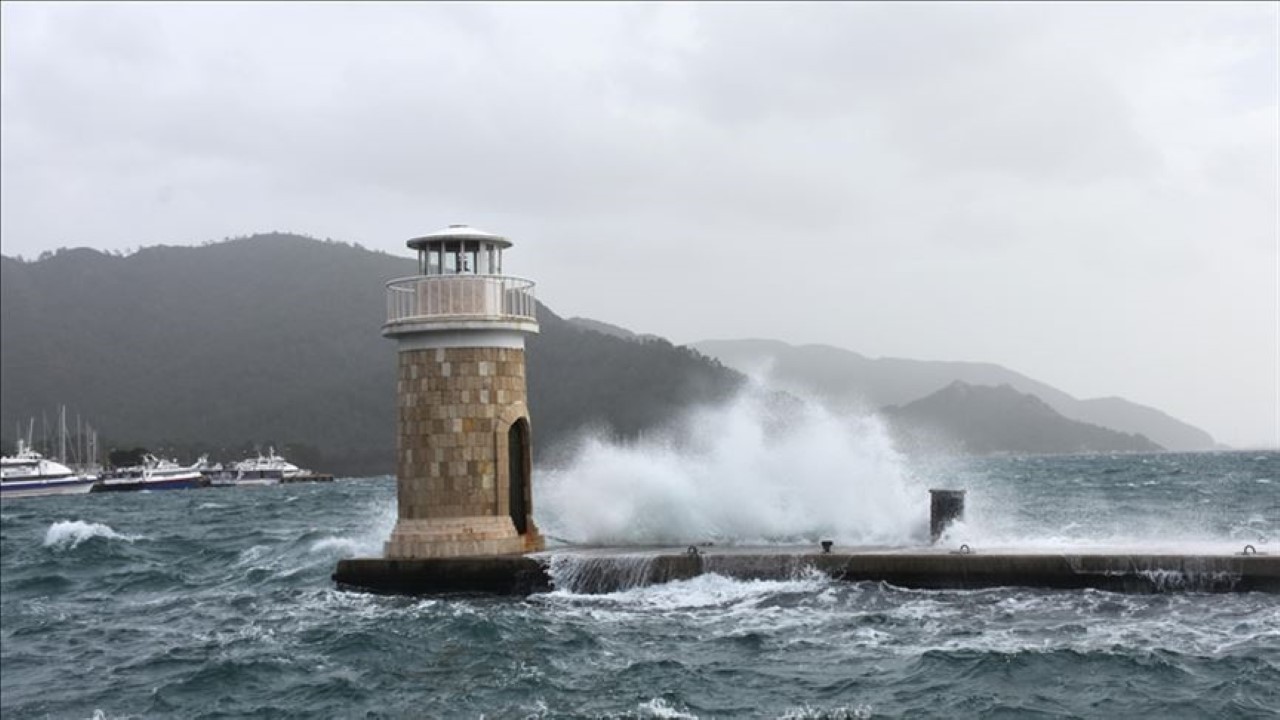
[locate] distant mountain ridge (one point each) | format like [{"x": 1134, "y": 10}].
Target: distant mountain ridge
[
  {"x": 605, "y": 328},
  {"x": 275, "y": 338},
  {"x": 846, "y": 378},
  {"x": 981, "y": 419}
]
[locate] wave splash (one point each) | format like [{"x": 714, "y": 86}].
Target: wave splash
[
  {"x": 361, "y": 543},
  {"x": 68, "y": 534},
  {"x": 755, "y": 470}
]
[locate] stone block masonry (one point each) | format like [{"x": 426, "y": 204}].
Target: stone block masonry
[{"x": 456, "y": 409}]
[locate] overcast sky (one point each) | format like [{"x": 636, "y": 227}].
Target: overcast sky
[{"x": 1086, "y": 194}]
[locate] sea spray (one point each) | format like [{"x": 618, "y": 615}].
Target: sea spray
[
  {"x": 571, "y": 572},
  {"x": 702, "y": 592},
  {"x": 368, "y": 541},
  {"x": 68, "y": 534},
  {"x": 662, "y": 710},
  {"x": 752, "y": 470}
]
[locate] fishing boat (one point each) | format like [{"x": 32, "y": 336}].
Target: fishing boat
[
  {"x": 269, "y": 469},
  {"x": 29, "y": 474},
  {"x": 266, "y": 469},
  {"x": 153, "y": 474},
  {"x": 214, "y": 473}
]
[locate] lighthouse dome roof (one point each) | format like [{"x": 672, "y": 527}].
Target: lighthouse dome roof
[{"x": 458, "y": 232}]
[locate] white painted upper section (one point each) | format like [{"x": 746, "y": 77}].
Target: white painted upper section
[
  {"x": 423, "y": 302},
  {"x": 492, "y": 337},
  {"x": 459, "y": 232}
]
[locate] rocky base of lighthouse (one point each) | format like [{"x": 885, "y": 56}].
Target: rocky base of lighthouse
[{"x": 460, "y": 537}]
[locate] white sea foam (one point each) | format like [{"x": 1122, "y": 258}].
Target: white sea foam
[
  {"x": 709, "y": 590},
  {"x": 102, "y": 715},
  {"x": 251, "y": 555},
  {"x": 376, "y": 528},
  {"x": 1091, "y": 621},
  {"x": 343, "y": 547},
  {"x": 987, "y": 533},
  {"x": 807, "y": 712},
  {"x": 67, "y": 534},
  {"x": 898, "y": 622},
  {"x": 659, "y": 708},
  {"x": 742, "y": 472},
  {"x": 366, "y": 543}
]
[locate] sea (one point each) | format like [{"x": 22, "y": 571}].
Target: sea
[{"x": 219, "y": 603}]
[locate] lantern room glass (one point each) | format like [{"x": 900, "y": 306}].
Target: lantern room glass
[{"x": 460, "y": 257}]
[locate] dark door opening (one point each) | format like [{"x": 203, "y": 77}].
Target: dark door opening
[{"x": 518, "y": 474}]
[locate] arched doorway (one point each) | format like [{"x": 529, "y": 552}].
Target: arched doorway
[{"x": 518, "y": 473}]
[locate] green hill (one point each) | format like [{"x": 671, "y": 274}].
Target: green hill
[
  {"x": 983, "y": 419},
  {"x": 847, "y": 379},
  {"x": 275, "y": 339}
]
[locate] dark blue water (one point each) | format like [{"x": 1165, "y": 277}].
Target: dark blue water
[{"x": 218, "y": 603}]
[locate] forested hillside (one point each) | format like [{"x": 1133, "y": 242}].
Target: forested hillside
[
  {"x": 844, "y": 378},
  {"x": 982, "y": 419},
  {"x": 274, "y": 339}
]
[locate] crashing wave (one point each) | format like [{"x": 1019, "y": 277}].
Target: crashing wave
[{"x": 68, "y": 534}]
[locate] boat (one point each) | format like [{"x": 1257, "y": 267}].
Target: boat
[
  {"x": 29, "y": 474},
  {"x": 153, "y": 474},
  {"x": 269, "y": 469},
  {"x": 266, "y": 469},
  {"x": 214, "y": 473}
]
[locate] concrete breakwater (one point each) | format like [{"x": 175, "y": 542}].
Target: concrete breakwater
[{"x": 600, "y": 570}]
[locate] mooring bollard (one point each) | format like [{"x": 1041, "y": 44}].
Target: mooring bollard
[{"x": 945, "y": 506}]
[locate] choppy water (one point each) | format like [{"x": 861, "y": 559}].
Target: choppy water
[{"x": 218, "y": 603}]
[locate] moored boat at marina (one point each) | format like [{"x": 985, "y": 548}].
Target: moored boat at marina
[
  {"x": 29, "y": 474},
  {"x": 269, "y": 469},
  {"x": 265, "y": 469},
  {"x": 153, "y": 474}
]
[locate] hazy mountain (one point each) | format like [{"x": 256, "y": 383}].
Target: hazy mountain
[
  {"x": 609, "y": 329},
  {"x": 584, "y": 378},
  {"x": 270, "y": 339},
  {"x": 276, "y": 339},
  {"x": 845, "y": 378},
  {"x": 982, "y": 419}
]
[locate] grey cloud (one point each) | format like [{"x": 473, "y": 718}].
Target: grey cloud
[{"x": 943, "y": 180}]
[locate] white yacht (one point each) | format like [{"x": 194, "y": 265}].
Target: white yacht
[
  {"x": 153, "y": 474},
  {"x": 268, "y": 469},
  {"x": 29, "y": 474}
]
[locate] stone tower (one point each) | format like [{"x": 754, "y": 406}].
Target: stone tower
[{"x": 463, "y": 438}]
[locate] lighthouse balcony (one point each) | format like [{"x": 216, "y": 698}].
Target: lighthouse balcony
[{"x": 459, "y": 301}]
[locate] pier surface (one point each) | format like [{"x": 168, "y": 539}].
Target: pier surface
[{"x": 599, "y": 570}]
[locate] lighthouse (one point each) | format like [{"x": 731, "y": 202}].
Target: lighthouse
[{"x": 463, "y": 465}]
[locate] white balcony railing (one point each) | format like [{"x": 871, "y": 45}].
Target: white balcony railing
[{"x": 461, "y": 297}]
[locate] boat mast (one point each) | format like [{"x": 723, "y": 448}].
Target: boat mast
[{"x": 62, "y": 434}]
